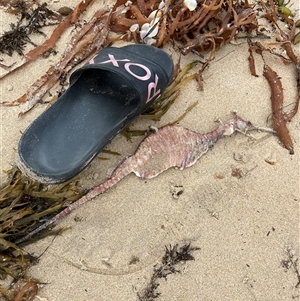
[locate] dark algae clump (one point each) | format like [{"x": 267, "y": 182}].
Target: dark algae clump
[
  {"x": 173, "y": 256},
  {"x": 31, "y": 20}
]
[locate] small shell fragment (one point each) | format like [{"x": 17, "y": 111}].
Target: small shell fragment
[
  {"x": 134, "y": 27},
  {"x": 190, "y": 4},
  {"x": 149, "y": 31}
]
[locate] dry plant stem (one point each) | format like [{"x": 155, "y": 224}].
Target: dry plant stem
[
  {"x": 49, "y": 43},
  {"x": 169, "y": 146},
  {"x": 88, "y": 40},
  {"x": 279, "y": 117}
]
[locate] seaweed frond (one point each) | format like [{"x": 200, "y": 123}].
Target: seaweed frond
[
  {"x": 31, "y": 20},
  {"x": 24, "y": 205}
]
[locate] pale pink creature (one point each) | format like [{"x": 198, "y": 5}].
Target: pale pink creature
[{"x": 169, "y": 146}]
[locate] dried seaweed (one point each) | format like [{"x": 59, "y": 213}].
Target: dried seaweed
[
  {"x": 89, "y": 39},
  {"x": 30, "y": 21},
  {"x": 24, "y": 203},
  {"x": 286, "y": 36},
  {"x": 166, "y": 147},
  {"x": 212, "y": 24},
  {"x": 180, "y": 80},
  {"x": 172, "y": 257},
  {"x": 49, "y": 43},
  {"x": 279, "y": 117},
  {"x": 14, "y": 40}
]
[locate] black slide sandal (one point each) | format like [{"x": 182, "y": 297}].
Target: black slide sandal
[{"x": 104, "y": 96}]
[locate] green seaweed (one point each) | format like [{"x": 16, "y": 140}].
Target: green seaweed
[{"x": 23, "y": 205}]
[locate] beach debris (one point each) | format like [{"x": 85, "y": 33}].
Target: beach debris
[
  {"x": 291, "y": 262},
  {"x": 28, "y": 291},
  {"x": 200, "y": 25},
  {"x": 176, "y": 191},
  {"x": 166, "y": 147},
  {"x": 173, "y": 256},
  {"x": 275, "y": 11},
  {"x": 237, "y": 172},
  {"x": 23, "y": 205},
  {"x": 271, "y": 160},
  {"x": 90, "y": 38},
  {"x": 31, "y": 20},
  {"x": 280, "y": 118},
  {"x": 49, "y": 43},
  {"x": 203, "y": 28},
  {"x": 65, "y": 10},
  {"x": 285, "y": 12},
  {"x": 286, "y": 43},
  {"x": 196, "y": 26}
]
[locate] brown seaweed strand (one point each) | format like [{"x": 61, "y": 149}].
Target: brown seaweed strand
[
  {"x": 279, "y": 120},
  {"x": 169, "y": 146}
]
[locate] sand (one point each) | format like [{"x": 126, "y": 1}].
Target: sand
[{"x": 245, "y": 227}]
